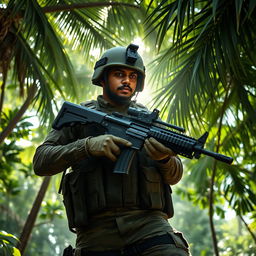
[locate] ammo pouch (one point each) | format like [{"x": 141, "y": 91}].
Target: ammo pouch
[
  {"x": 168, "y": 209},
  {"x": 83, "y": 192},
  {"x": 74, "y": 200},
  {"x": 153, "y": 193}
]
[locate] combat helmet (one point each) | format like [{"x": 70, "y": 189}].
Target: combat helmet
[{"x": 120, "y": 56}]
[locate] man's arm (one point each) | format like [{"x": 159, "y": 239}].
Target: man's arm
[
  {"x": 171, "y": 171},
  {"x": 56, "y": 154}
]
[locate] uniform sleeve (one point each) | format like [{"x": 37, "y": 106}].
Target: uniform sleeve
[
  {"x": 58, "y": 152},
  {"x": 171, "y": 171}
]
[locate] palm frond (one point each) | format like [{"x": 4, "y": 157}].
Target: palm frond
[
  {"x": 238, "y": 190},
  {"x": 37, "y": 73},
  {"x": 203, "y": 53},
  {"x": 41, "y": 36}
]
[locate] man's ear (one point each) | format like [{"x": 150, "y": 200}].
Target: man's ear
[{"x": 104, "y": 79}]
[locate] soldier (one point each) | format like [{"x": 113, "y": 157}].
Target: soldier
[{"x": 115, "y": 214}]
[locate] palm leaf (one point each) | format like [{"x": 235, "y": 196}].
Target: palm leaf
[{"x": 210, "y": 56}]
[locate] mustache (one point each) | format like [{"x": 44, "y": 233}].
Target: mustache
[{"x": 124, "y": 86}]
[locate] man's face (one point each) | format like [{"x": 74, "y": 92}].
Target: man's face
[{"x": 121, "y": 85}]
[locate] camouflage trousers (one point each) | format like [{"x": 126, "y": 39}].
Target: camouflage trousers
[
  {"x": 178, "y": 247},
  {"x": 159, "y": 250},
  {"x": 165, "y": 250}
]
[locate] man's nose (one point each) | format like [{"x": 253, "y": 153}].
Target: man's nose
[{"x": 126, "y": 80}]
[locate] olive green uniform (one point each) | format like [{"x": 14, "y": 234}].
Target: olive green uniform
[{"x": 110, "y": 211}]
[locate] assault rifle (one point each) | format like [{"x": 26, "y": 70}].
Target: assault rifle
[{"x": 137, "y": 126}]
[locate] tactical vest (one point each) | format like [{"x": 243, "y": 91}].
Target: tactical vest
[{"x": 92, "y": 187}]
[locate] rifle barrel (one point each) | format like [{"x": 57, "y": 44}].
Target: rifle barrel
[
  {"x": 217, "y": 156},
  {"x": 181, "y": 129}
]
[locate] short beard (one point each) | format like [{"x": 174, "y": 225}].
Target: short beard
[{"x": 120, "y": 100}]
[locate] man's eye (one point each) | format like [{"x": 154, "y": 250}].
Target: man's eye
[
  {"x": 119, "y": 74},
  {"x": 133, "y": 76}
]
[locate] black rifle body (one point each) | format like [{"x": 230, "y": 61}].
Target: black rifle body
[{"x": 136, "y": 127}]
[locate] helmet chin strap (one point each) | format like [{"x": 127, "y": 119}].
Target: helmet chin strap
[{"x": 136, "y": 95}]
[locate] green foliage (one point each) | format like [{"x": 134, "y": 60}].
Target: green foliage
[
  {"x": 10, "y": 159},
  {"x": 7, "y": 244},
  {"x": 18, "y": 187},
  {"x": 234, "y": 240},
  {"x": 204, "y": 77},
  {"x": 209, "y": 46},
  {"x": 34, "y": 36},
  {"x": 193, "y": 222},
  {"x": 205, "y": 80},
  {"x": 22, "y": 129},
  {"x": 51, "y": 209},
  {"x": 50, "y": 234},
  {"x": 39, "y": 57}
]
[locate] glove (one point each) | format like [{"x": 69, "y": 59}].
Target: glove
[
  {"x": 156, "y": 150},
  {"x": 105, "y": 145}
]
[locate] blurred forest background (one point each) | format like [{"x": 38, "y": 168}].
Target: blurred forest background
[{"x": 201, "y": 72}]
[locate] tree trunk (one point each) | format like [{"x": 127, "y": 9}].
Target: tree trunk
[
  {"x": 9, "y": 128},
  {"x": 2, "y": 93},
  {"x": 211, "y": 199},
  {"x": 30, "y": 222},
  {"x": 211, "y": 212}
]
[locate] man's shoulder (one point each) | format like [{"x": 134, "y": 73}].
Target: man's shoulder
[
  {"x": 139, "y": 105},
  {"x": 93, "y": 104}
]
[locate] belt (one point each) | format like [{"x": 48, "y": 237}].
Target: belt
[{"x": 134, "y": 249}]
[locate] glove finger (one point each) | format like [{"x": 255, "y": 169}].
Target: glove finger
[
  {"x": 160, "y": 147},
  {"x": 110, "y": 155},
  {"x": 157, "y": 145},
  {"x": 110, "y": 149},
  {"x": 121, "y": 141},
  {"x": 147, "y": 150},
  {"x": 113, "y": 147},
  {"x": 150, "y": 148}
]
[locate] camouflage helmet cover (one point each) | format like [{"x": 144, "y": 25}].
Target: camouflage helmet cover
[{"x": 120, "y": 56}]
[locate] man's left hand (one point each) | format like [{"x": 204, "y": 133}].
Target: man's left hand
[{"x": 156, "y": 150}]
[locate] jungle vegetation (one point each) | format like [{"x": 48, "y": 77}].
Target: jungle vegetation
[{"x": 201, "y": 72}]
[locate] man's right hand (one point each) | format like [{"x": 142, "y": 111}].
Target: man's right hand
[{"x": 105, "y": 145}]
